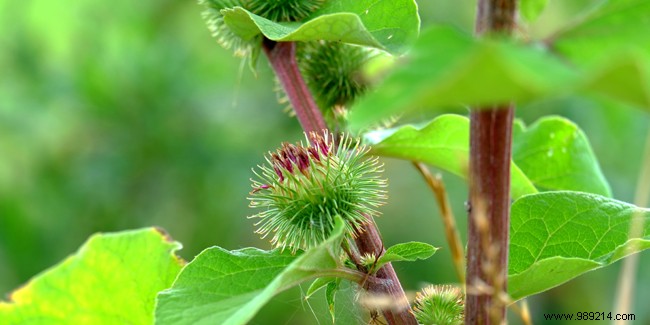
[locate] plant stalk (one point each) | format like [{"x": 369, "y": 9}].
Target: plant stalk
[
  {"x": 282, "y": 56},
  {"x": 399, "y": 311},
  {"x": 489, "y": 183},
  {"x": 451, "y": 231},
  {"x": 489, "y": 217}
]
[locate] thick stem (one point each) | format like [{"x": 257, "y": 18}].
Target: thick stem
[
  {"x": 282, "y": 56},
  {"x": 283, "y": 60},
  {"x": 399, "y": 311},
  {"x": 489, "y": 181},
  {"x": 489, "y": 217}
]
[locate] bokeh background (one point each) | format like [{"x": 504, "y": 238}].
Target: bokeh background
[{"x": 124, "y": 114}]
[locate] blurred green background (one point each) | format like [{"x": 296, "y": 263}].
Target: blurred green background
[{"x": 126, "y": 114}]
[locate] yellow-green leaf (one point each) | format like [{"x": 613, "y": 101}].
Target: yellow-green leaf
[{"x": 112, "y": 279}]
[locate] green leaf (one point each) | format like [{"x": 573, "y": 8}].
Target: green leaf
[
  {"x": 443, "y": 143},
  {"x": 624, "y": 77},
  {"x": 393, "y": 23},
  {"x": 448, "y": 68},
  {"x": 112, "y": 279},
  {"x": 318, "y": 284},
  {"x": 614, "y": 26},
  {"x": 229, "y": 287},
  {"x": 613, "y": 45},
  {"x": 556, "y": 236},
  {"x": 410, "y": 251},
  {"x": 330, "y": 295},
  {"x": 531, "y": 9},
  {"x": 388, "y": 25},
  {"x": 555, "y": 155}
]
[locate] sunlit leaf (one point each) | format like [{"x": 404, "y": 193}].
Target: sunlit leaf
[
  {"x": 229, "y": 287},
  {"x": 443, "y": 143},
  {"x": 112, "y": 279},
  {"x": 556, "y": 236},
  {"x": 555, "y": 155},
  {"x": 383, "y": 24}
]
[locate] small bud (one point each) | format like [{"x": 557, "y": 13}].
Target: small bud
[
  {"x": 440, "y": 305},
  {"x": 302, "y": 188},
  {"x": 369, "y": 260}
]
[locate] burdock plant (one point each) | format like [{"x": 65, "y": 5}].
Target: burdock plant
[{"x": 304, "y": 186}]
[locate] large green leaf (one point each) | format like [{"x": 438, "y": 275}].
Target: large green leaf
[
  {"x": 556, "y": 236},
  {"x": 448, "y": 68},
  {"x": 388, "y": 25},
  {"x": 112, "y": 279},
  {"x": 555, "y": 155},
  {"x": 229, "y": 287},
  {"x": 615, "y": 25},
  {"x": 624, "y": 77},
  {"x": 613, "y": 44},
  {"x": 443, "y": 143}
]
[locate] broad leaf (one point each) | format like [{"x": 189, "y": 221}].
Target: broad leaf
[
  {"x": 624, "y": 77},
  {"x": 229, "y": 287},
  {"x": 615, "y": 25},
  {"x": 556, "y": 236},
  {"x": 555, "y": 155},
  {"x": 112, "y": 279},
  {"x": 410, "y": 251},
  {"x": 531, "y": 9},
  {"x": 393, "y": 23},
  {"x": 613, "y": 44},
  {"x": 443, "y": 143},
  {"x": 447, "y": 68},
  {"x": 388, "y": 25}
]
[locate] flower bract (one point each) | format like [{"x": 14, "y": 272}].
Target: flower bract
[
  {"x": 440, "y": 305},
  {"x": 303, "y": 187}
]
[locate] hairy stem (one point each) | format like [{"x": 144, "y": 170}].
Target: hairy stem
[
  {"x": 399, "y": 311},
  {"x": 451, "y": 232},
  {"x": 282, "y": 56},
  {"x": 489, "y": 217},
  {"x": 489, "y": 182},
  {"x": 283, "y": 60}
]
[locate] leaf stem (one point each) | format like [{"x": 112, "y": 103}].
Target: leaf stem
[
  {"x": 282, "y": 56},
  {"x": 451, "y": 231}
]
